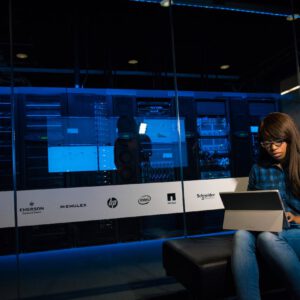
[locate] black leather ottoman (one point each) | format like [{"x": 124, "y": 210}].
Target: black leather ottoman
[{"x": 202, "y": 265}]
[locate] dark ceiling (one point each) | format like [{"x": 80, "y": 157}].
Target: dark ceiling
[{"x": 62, "y": 38}]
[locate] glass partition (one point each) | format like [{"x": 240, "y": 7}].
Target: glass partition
[
  {"x": 9, "y": 260},
  {"x": 98, "y": 146},
  {"x": 290, "y": 85},
  {"x": 246, "y": 67},
  {"x": 129, "y": 118}
]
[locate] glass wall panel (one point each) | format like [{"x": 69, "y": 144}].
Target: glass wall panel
[
  {"x": 130, "y": 117},
  {"x": 8, "y": 250},
  {"x": 290, "y": 85},
  {"x": 237, "y": 75},
  {"x": 9, "y": 279},
  {"x": 98, "y": 146}
]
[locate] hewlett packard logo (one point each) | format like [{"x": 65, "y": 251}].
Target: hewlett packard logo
[{"x": 112, "y": 202}]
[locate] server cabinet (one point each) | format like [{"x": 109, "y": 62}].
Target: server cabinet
[
  {"x": 240, "y": 137},
  {"x": 257, "y": 111},
  {"x": 246, "y": 115},
  {"x": 213, "y": 139},
  {"x": 156, "y": 114},
  {"x": 5, "y": 143},
  {"x": 91, "y": 113},
  {"x": 218, "y": 135},
  {"x": 33, "y": 113},
  {"x": 188, "y": 112}
]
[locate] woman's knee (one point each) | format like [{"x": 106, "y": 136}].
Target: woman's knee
[
  {"x": 243, "y": 235},
  {"x": 266, "y": 240},
  {"x": 243, "y": 238}
]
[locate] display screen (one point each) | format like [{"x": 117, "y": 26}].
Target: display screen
[
  {"x": 254, "y": 129},
  {"x": 72, "y": 158},
  {"x": 164, "y": 139},
  {"x": 77, "y": 144},
  {"x": 164, "y": 131}
]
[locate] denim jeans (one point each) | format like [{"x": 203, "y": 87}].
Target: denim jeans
[
  {"x": 244, "y": 265},
  {"x": 281, "y": 250}
]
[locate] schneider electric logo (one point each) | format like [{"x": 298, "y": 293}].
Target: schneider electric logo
[
  {"x": 31, "y": 209},
  {"x": 112, "y": 202},
  {"x": 144, "y": 200},
  {"x": 206, "y": 196}
]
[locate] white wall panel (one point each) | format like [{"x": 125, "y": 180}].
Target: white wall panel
[{"x": 50, "y": 206}]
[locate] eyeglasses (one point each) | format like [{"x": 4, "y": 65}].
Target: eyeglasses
[{"x": 268, "y": 144}]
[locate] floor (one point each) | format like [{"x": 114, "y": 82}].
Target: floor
[
  {"x": 120, "y": 271},
  {"x": 131, "y": 271}
]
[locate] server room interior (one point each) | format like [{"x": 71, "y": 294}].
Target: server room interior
[{"x": 214, "y": 68}]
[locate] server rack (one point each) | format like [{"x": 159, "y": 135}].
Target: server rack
[
  {"x": 257, "y": 111},
  {"x": 160, "y": 169},
  {"x": 33, "y": 113},
  {"x": 5, "y": 143},
  {"x": 214, "y": 125},
  {"x": 213, "y": 138},
  {"x": 98, "y": 109}
]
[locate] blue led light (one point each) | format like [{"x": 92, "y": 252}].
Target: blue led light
[
  {"x": 42, "y": 115},
  {"x": 254, "y": 129},
  {"x": 221, "y": 8},
  {"x": 43, "y": 105}
]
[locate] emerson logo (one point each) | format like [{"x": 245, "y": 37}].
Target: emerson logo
[
  {"x": 144, "y": 200},
  {"x": 112, "y": 202},
  {"x": 75, "y": 205},
  {"x": 205, "y": 196},
  {"x": 31, "y": 209}
]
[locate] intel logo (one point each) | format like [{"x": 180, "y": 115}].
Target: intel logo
[{"x": 144, "y": 200}]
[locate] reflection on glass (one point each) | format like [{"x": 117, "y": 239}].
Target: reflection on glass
[{"x": 141, "y": 149}]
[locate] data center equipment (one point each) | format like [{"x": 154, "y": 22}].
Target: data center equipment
[
  {"x": 5, "y": 143},
  {"x": 257, "y": 111},
  {"x": 157, "y": 117},
  {"x": 213, "y": 138},
  {"x": 73, "y": 139},
  {"x": 33, "y": 112}
]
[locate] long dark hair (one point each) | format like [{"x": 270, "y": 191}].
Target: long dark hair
[{"x": 280, "y": 126}]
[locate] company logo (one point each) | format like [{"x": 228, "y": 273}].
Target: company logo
[
  {"x": 144, "y": 200},
  {"x": 75, "y": 205},
  {"x": 171, "y": 198},
  {"x": 112, "y": 202},
  {"x": 31, "y": 209},
  {"x": 205, "y": 196}
]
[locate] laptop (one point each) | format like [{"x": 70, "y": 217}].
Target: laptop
[{"x": 254, "y": 211}]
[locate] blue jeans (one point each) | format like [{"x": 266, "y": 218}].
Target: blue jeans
[
  {"x": 244, "y": 265},
  {"x": 281, "y": 250}
]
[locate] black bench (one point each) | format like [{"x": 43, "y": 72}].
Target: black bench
[{"x": 202, "y": 265}]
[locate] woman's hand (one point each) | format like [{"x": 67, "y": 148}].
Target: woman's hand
[{"x": 292, "y": 218}]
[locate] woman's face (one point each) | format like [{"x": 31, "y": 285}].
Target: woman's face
[{"x": 276, "y": 149}]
